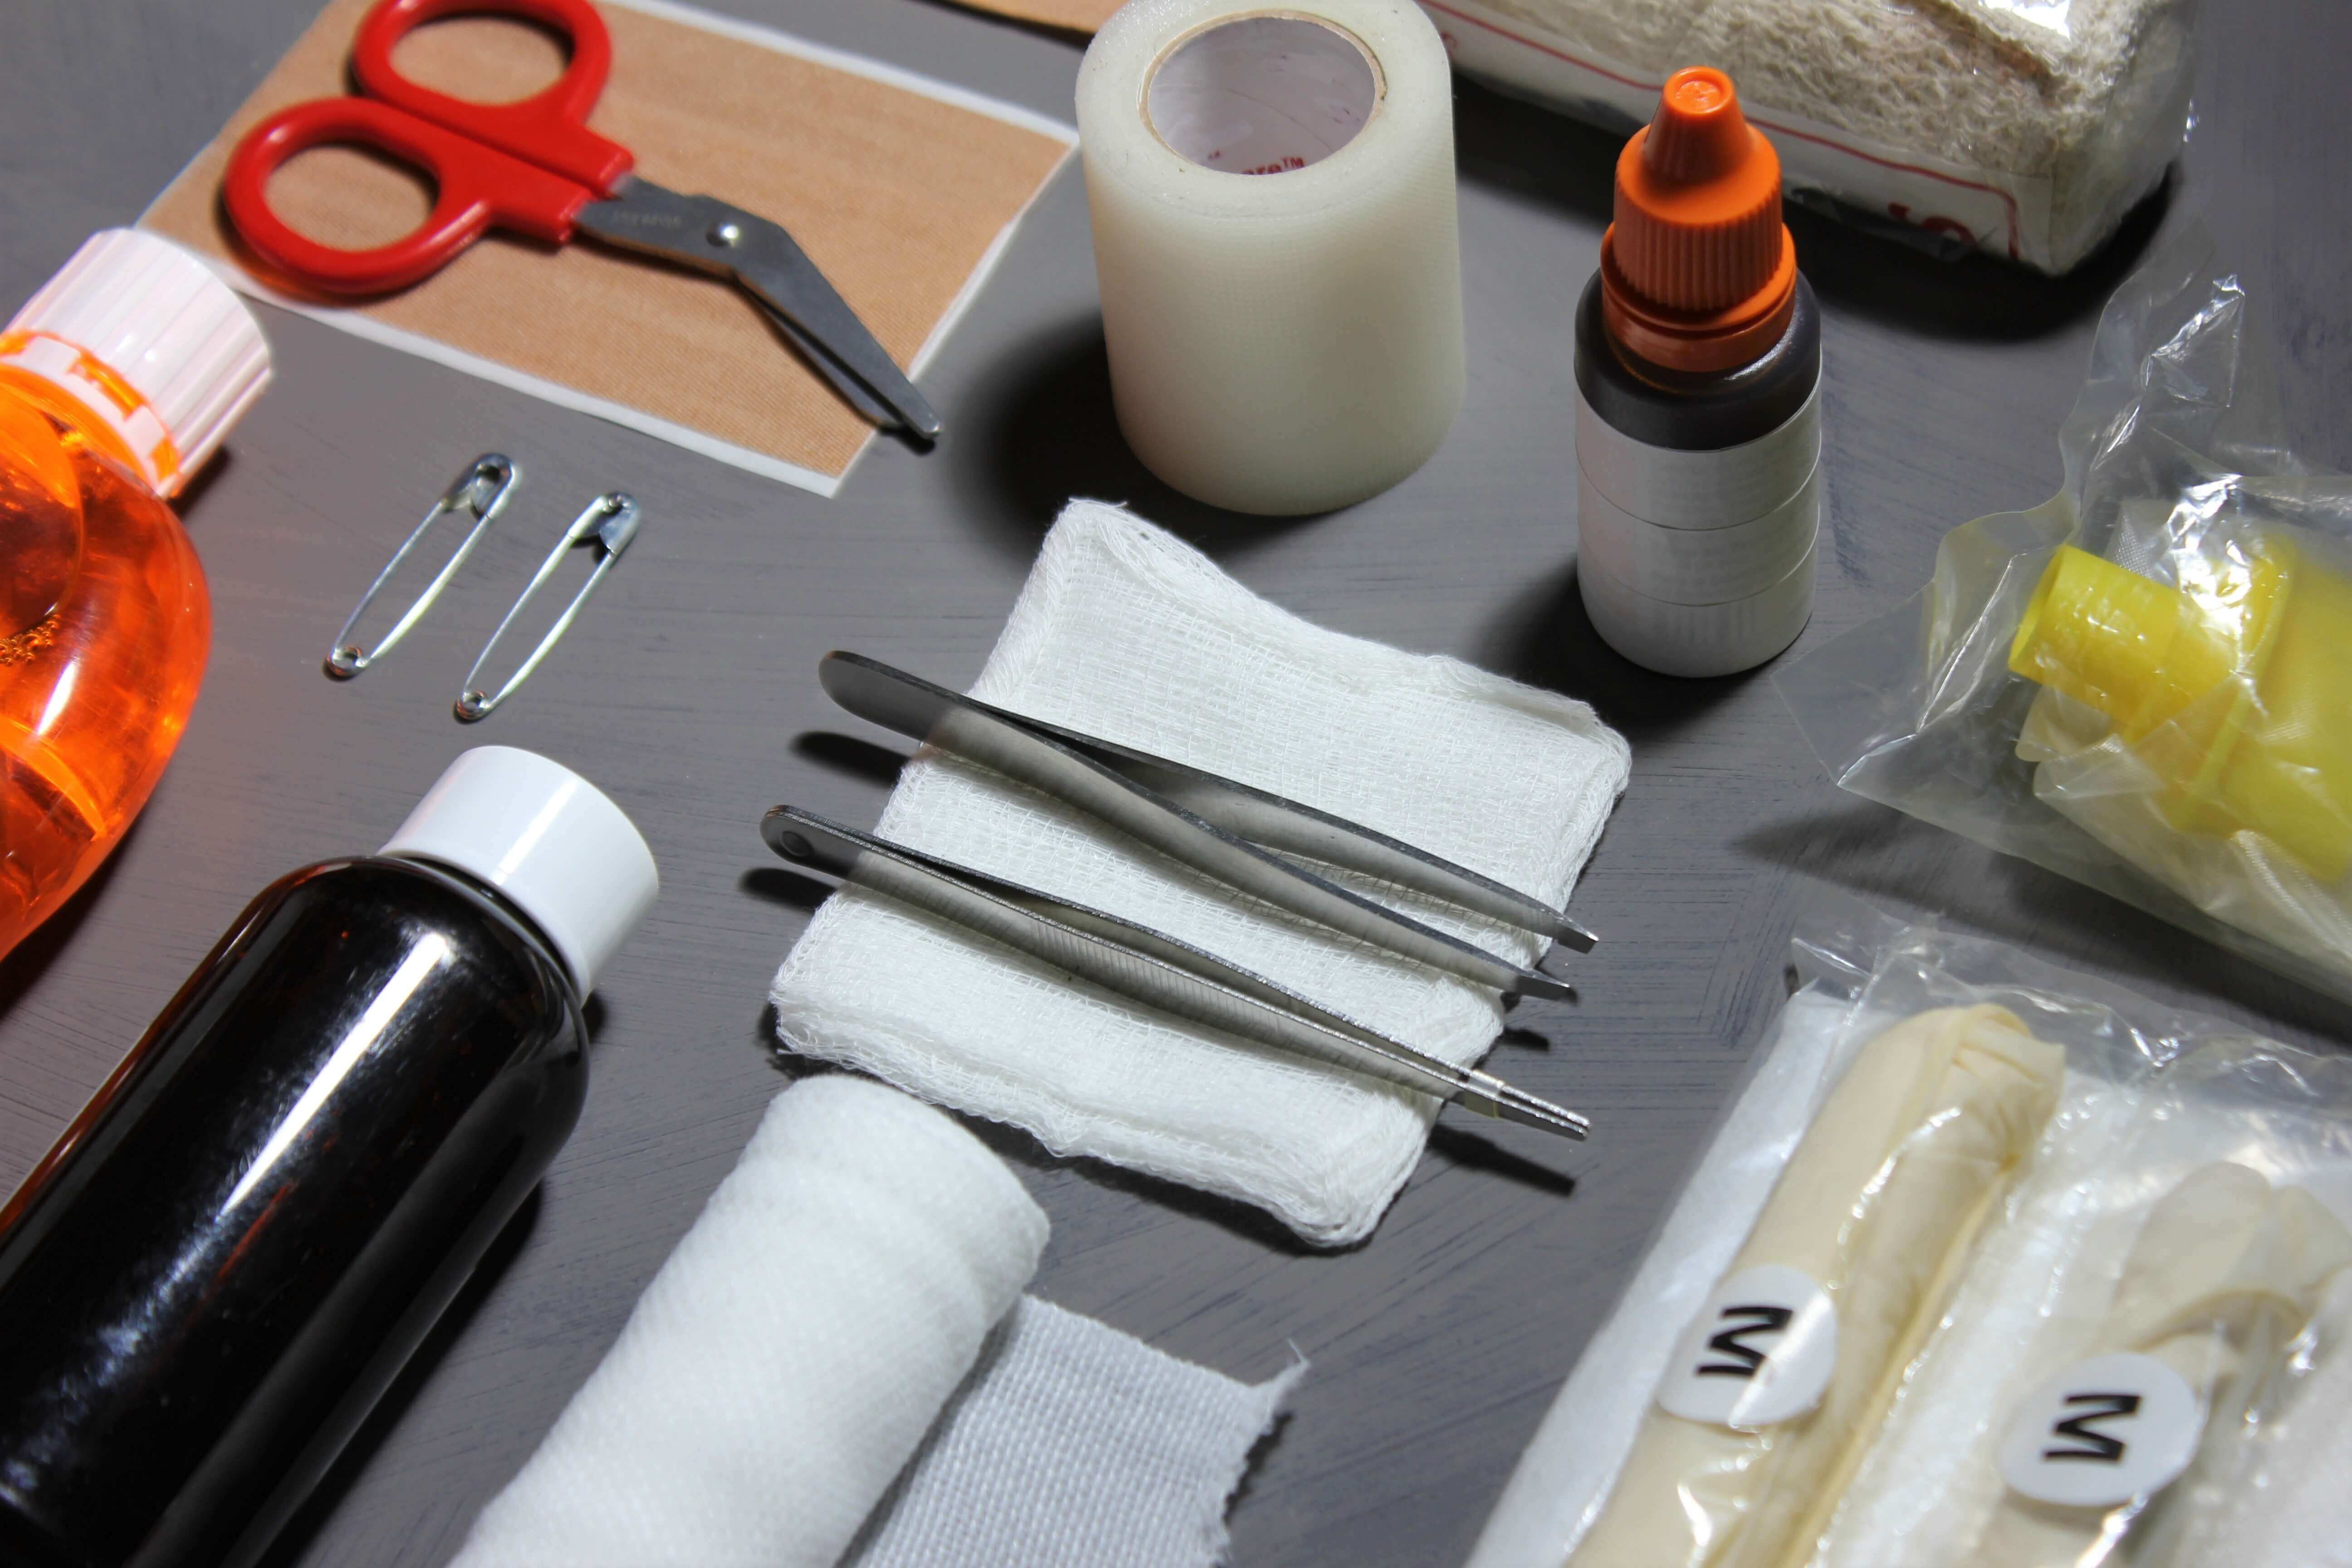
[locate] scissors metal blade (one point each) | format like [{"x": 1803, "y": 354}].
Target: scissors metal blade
[
  {"x": 710, "y": 235},
  {"x": 1146, "y": 967},
  {"x": 1020, "y": 749}
]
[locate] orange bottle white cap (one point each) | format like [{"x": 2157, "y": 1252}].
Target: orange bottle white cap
[
  {"x": 1697, "y": 271},
  {"x": 143, "y": 335}
]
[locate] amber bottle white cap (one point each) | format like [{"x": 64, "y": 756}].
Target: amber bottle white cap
[
  {"x": 152, "y": 343},
  {"x": 548, "y": 840}
]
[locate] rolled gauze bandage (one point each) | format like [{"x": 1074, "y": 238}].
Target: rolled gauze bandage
[
  {"x": 2223, "y": 1276},
  {"x": 1273, "y": 197},
  {"x": 1800, "y": 1348},
  {"x": 787, "y": 1360}
]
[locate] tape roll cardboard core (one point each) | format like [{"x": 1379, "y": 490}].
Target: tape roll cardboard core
[{"x": 1263, "y": 94}]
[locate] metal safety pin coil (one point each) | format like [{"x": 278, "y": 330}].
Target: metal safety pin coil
[
  {"x": 481, "y": 491},
  {"x": 611, "y": 521}
]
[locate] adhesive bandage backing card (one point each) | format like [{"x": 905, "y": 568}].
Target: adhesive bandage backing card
[{"x": 902, "y": 189}]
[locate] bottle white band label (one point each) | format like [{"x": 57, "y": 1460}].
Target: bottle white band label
[
  {"x": 1696, "y": 566},
  {"x": 1760, "y": 1352},
  {"x": 2103, "y": 1432},
  {"x": 1718, "y": 488}
]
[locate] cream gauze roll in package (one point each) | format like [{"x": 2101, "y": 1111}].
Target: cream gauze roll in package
[
  {"x": 2224, "y": 1276},
  {"x": 1274, "y": 223},
  {"x": 1791, "y": 1364}
]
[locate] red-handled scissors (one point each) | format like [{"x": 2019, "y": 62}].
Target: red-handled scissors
[{"x": 534, "y": 167}]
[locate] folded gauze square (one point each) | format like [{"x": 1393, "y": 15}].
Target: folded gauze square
[{"x": 1125, "y": 633}]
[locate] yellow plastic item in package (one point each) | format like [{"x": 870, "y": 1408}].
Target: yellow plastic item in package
[
  {"x": 2140, "y": 683},
  {"x": 2233, "y": 689}
]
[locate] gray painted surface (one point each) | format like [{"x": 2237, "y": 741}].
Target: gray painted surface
[{"x": 689, "y": 690}]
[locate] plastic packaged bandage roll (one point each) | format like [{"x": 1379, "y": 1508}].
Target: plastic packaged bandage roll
[
  {"x": 1274, "y": 227},
  {"x": 2224, "y": 1277},
  {"x": 1791, "y": 1364}
]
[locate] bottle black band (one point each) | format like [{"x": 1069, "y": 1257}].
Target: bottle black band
[{"x": 1686, "y": 411}]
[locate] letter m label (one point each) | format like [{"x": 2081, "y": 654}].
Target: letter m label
[
  {"x": 1731, "y": 1339},
  {"x": 2097, "y": 1447}
]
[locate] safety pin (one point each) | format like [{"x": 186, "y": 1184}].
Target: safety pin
[
  {"x": 482, "y": 490},
  {"x": 611, "y": 519}
]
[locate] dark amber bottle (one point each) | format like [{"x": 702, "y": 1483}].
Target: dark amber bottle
[{"x": 235, "y": 1247}]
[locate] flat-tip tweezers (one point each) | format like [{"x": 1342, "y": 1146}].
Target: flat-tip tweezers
[
  {"x": 1145, "y": 965},
  {"x": 1200, "y": 820}
]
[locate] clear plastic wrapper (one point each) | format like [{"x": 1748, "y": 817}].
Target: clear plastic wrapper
[
  {"x": 2177, "y": 1215},
  {"x": 2023, "y": 128},
  {"x": 2140, "y": 683},
  {"x": 1789, "y": 1364}
]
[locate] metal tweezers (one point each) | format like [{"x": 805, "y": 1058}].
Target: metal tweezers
[{"x": 1241, "y": 837}]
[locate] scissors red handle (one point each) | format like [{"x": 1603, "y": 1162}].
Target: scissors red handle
[
  {"x": 528, "y": 167},
  {"x": 479, "y": 188},
  {"x": 548, "y": 129}
]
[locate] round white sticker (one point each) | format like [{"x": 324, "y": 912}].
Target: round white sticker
[
  {"x": 2103, "y": 1432},
  {"x": 1760, "y": 1352}
]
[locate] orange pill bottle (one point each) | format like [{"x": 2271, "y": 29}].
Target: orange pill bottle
[{"x": 117, "y": 381}]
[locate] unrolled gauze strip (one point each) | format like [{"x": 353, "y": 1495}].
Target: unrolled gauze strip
[
  {"x": 2225, "y": 1274},
  {"x": 1877, "y": 1207},
  {"x": 1271, "y": 190},
  {"x": 788, "y": 1358}
]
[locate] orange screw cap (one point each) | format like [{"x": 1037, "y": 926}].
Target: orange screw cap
[{"x": 1697, "y": 271}]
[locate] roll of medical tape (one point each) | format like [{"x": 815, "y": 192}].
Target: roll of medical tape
[
  {"x": 1698, "y": 639},
  {"x": 1691, "y": 565},
  {"x": 1702, "y": 489},
  {"x": 1272, "y": 191}
]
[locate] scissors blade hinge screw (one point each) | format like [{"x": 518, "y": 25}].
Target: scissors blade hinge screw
[{"x": 727, "y": 232}]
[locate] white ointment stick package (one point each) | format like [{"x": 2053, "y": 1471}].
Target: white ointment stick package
[
  {"x": 2160, "y": 1290},
  {"x": 1275, "y": 232}
]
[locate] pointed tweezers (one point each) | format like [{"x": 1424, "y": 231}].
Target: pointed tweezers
[
  {"x": 1146, "y": 966},
  {"x": 1214, "y": 825}
]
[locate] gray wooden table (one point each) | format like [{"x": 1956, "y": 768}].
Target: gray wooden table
[{"x": 689, "y": 694}]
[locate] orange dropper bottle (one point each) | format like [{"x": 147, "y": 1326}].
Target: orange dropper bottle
[
  {"x": 1698, "y": 363},
  {"x": 117, "y": 381}
]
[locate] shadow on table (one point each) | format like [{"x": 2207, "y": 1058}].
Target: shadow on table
[
  {"x": 1042, "y": 431},
  {"x": 1877, "y": 852},
  {"x": 32, "y": 957},
  {"x": 1075, "y": 37},
  {"x": 852, "y": 756},
  {"x": 1854, "y": 262},
  {"x": 1546, "y": 639},
  {"x": 1472, "y": 1151}
]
